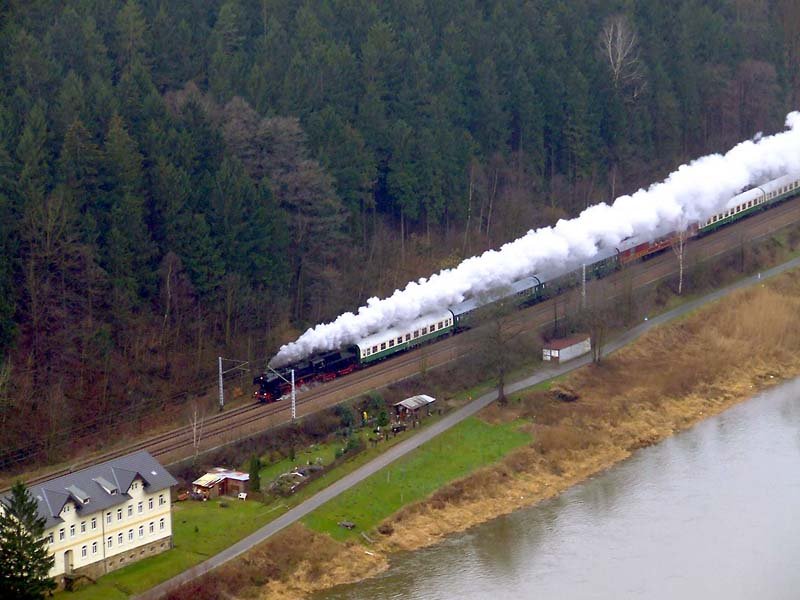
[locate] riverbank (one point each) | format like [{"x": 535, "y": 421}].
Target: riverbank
[{"x": 669, "y": 380}]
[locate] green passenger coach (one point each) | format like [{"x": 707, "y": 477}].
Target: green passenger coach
[{"x": 397, "y": 339}]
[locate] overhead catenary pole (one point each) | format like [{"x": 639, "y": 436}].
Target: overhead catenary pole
[
  {"x": 583, "y": 286},
  {"x": 294, "y": 399},
  {"x": 221, "y": 388}
]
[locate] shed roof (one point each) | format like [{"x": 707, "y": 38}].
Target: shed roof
[
  {"x": 218, "y": 474},
  {"x": 566, "y": 342},
  {"x": 416, "y": 402},
  {"x": 98, "y": 487}
]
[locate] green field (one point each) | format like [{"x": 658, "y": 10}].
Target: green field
[{"x": 454, "y": 454}]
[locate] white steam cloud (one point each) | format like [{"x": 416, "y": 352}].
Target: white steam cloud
[{"x": 692, "y": 193}]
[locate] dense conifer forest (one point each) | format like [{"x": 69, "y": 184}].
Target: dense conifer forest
[{"x": 180, "y": 180}]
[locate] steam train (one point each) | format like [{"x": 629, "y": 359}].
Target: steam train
[{"x": 326, "y": 366}]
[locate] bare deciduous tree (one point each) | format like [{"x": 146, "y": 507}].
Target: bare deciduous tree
[
  {"x": 679, "y": 247},
  {"x": 197, "y": 416},
  {"x": 619, "y": 46}
]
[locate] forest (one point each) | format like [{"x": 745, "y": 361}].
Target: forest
[{"x": 184, "y": 180}]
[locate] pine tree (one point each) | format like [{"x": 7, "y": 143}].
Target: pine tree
[
  {"x": 24, "y": 559},
  {"x": 255, "y": 475}
]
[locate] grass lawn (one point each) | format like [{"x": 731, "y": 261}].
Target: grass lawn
[
  {"x": 325, "y": 452},
  {"x": 200, "y": 529},
  {"x": 454, "y": 454}
]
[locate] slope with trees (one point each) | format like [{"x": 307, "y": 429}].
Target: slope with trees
[{"x": 183, "y": 180}]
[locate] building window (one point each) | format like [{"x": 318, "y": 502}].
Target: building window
[
  {"x": 130, "y": 535},
  {"x": 94, "y": 522},
  {"x": 152, "y": 527},
  {"x": 161, "y": 500},
  {"x": 119, "y": 539},
  {"x": 135, "y": 485},
  {"x": 119, "y": 514},
  {"x": 161, "y": 523},
  {"x": 83, "y": 551},
  {"x": 110, "y": 541},
  {"x": 94, "y": 547},
  {"x": 140, "y": 507},
  {"x": 130, "y": 510},
  {"x": 72, "y": 531},
  {"x": 83, "y": 526},
  {"x": 60, "y": 534},
  {"x": 50, "y": 538},
  {"x": 141, "y": 530},
  {"x": 150, "y": 504},
  {"x": 66, "y": 508},
  {"x": 108, "y": 517}
]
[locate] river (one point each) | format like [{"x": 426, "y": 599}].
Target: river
[{"x": 713, "y": 512}]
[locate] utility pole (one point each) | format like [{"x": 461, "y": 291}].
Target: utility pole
[
  {"x": 239, "y": 366},
  {"x": 583, "y": 286},
  {"x": 221, "y": 387},
  {"x": 294, "y": 390},
  {"x": 294, "y": 399}
]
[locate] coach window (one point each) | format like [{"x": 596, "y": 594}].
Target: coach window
[
  {"x": 400, "y": 340},
  {"x": 391, "y": 343},
  {"x": 374, "y": 349},
  {"x": 441, "y": 324},
  {"x": 408, "y": 337},
  {"x": 424, "y": 330},
  {"x": 416, "y": 334},
  {"x": 383, "y": 346}
]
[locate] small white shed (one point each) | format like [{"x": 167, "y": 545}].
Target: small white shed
[{"x": 566, "y": 348}]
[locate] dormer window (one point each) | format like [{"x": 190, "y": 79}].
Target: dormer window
[{"x": 107, "y": 486}]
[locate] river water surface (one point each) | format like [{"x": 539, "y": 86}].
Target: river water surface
[{"x": 713, "y": 512}]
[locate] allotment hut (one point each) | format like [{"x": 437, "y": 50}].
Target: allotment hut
[
  {"x": 565, "y": 349},
  {"x": 414, "y": 407},
  {"x": 221, "y": 482}
]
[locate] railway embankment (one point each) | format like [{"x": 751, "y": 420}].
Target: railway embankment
[{"x": 673, "y": 377}]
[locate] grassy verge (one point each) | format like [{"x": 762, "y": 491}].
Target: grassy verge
[{"x": 456, "y": 453}]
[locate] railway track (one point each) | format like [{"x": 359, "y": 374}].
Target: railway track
[{"x": 244, "y": 421}]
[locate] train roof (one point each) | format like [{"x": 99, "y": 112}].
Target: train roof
[
  {"x": 751, "y": 194},
  {"x": 402, "y": 329},
  {"x": 780, "y": 182}
]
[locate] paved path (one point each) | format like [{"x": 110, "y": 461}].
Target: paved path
[{"x": 425, "y": 435}]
